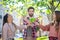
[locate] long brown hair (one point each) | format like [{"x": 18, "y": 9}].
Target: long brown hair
[
  {"x": 6, "y": 21},
  {"x": 57, "y": 14}
]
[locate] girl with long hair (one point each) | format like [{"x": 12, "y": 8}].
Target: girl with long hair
[
  {"x": 9, "y": 28},
  {"x": 54, "y": 27}
]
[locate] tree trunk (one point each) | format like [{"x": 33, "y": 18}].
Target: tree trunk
[{"x": 50, "y": 16}]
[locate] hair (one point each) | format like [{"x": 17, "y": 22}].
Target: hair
[
  {"x": 57, "y": 13},
  {"x": 30, "y": 8},
  {"x": 5, "y": 19}
]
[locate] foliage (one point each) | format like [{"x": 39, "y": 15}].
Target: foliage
[{"x": 21, "y": 6}]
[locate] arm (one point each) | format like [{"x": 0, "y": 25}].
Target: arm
[
  {"x": 45, "y": 28},
  {"x": 4, "y": 36},
  {"x": 23, "y": 24},
  {"x": 26, "y": 22}
]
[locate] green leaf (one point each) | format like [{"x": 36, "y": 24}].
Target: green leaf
[
  {"x": 32, "y": 20},
  {"x": 37, "y": 28},
  {"x": 55, "y": 4},
  {"x": 48, "y": 11},
  {"x": 58, "y": 8}
]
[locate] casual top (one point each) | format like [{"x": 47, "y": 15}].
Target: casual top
[
  {"x": 52, "y": 30},
  {"x": 30, "y": 31},
  {"x": 9, "y": 31},
  {"x": 59, "y": 34}
]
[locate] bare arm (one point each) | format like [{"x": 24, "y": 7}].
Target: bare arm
[{"x": 45, "y": 28}]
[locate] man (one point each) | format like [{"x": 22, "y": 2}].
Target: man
[{"x": 31, "y": 23}]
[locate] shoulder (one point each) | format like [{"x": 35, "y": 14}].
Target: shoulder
[
  {"x": 5, "y": 25},
  {"x": 26, "y": 18}
]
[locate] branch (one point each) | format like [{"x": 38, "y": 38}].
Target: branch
[
  {"x": 48, "y": 7},
  {"x": 57, "y": 5}
]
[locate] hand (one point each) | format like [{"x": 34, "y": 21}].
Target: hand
[
  {"x": 29, "y": 23},
  {"x": 41, "y": 22},
  {"x": 36, "y": 23}
]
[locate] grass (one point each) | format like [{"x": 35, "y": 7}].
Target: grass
[
  {"x": 39, "y": 38},
  {"x": 43, "y": 38}
]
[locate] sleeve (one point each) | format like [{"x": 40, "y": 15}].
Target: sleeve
[
  {"x": 4, "y": 34},
  {"x": 37, "y": 22},
  {"x": 26, "y": 22}
]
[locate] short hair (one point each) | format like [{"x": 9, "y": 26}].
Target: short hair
[{"x": 30, "y": 8}]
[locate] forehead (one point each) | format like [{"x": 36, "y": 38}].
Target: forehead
[
  {"x": 31, "y": 9},
  {"x": 9, "y": 16}
]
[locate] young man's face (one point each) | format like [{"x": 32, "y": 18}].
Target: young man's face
[{"x": 31, "y": 12}]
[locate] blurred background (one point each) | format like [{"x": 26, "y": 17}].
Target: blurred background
[{"x": 44, "y": 9}]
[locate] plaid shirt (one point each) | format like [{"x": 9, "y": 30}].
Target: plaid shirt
[{"x": 34, "y": 31}]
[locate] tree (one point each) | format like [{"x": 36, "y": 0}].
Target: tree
[
  {"x": 51, "y": 6},
  {"x": 20, "y": 6}
]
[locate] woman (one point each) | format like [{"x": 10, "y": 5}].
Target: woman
[
  {"x": 53, "y": 28},
  {"x": 9, "y": 28}
]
